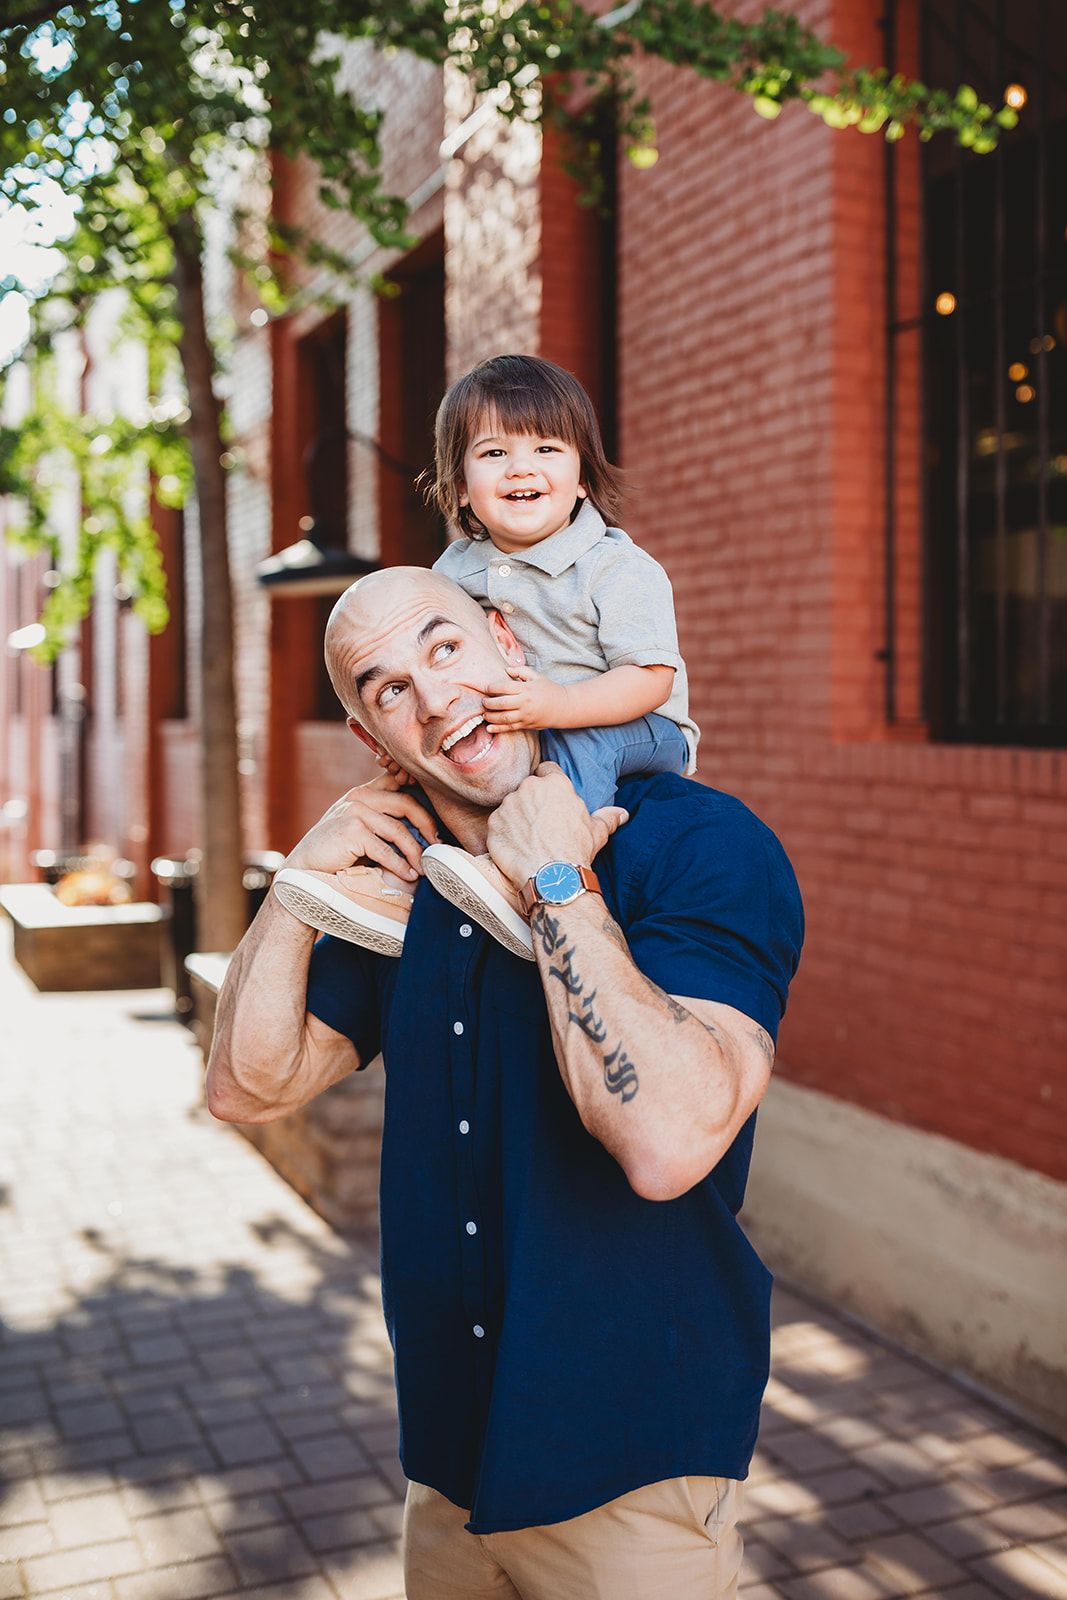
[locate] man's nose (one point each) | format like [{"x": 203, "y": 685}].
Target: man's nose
[{"x": 435, "y": 696}]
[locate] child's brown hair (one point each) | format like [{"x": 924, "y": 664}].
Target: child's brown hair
[{"x": 525, "y": 395}]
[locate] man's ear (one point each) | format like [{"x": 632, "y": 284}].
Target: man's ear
[
  {"x": 368, "y": 739},
  {"x": 506, "y": 642}
]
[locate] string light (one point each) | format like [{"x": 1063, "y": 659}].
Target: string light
[
  {"x": 945, "y": 304},
  {"x": 1015, "y": 96},
  {"x": 1024, "y": 394},
  {"x": 1017, "y": 372}
]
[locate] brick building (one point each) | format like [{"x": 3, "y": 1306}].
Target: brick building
[{"x": 835, "y": 375}]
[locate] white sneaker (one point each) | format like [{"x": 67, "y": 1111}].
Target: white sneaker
[
  {"x": 355, "y": 904},
  {"x": 478, "y": 887}
]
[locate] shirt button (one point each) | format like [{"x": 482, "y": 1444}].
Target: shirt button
[
  {"x": 479, "y": 1331},
  {"x": 508, "y": 607},
  {"x": 465, "y": 930},
  {"x": 472, "y": 1228},
  {"x": 457, "y": 1027},
  {"x": 504, "y": 571},
  {"x": 464, "y": 1126}
]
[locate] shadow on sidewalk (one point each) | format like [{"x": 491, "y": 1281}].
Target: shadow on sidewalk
[{"x": 262, "y": 1421}]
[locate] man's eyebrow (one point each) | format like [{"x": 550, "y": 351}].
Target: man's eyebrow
[
  {"x": 368, "y": 677},
  {"x": 372, "y": 674},
  {"x": 429, "y": 627}
]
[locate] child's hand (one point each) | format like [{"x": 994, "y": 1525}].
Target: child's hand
[
  {"x": 529, "y": 701},
  {"x": 393, "y": 777}
]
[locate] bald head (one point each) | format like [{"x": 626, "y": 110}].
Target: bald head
[{"x": 374, "y": 607}]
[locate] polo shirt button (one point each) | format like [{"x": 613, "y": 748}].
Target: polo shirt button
[
  {"x": 472, "y": 1228},
  {"x": 505, "y": 571},
  {"x": 465, "y": 930},
  {"x": 479, "y": 1331},
  {"x": 457, "y": 1027},
  {"x": 464, "y": 1126},
  {"x": 508, "y": 607}
]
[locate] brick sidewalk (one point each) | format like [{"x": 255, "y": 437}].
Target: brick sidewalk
[{"x": 196, "y": 1390}]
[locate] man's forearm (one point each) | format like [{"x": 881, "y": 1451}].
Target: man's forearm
[
  {"x": 664, "y": 1091},
  {"x": 261, "y": 1066}
]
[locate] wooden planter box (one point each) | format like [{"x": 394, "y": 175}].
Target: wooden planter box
[{"x": 83, "y": 947}]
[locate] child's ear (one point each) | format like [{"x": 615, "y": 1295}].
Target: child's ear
[
  {"x": 582, "y": 491},
  {"x": 463, "y": 496}
]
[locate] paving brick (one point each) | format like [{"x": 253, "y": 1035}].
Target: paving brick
[
  {"x": 91, "y": 1519},
  {"x": 910, "y": 1563},
  {"x": 192, "y": 1580},
  {"x": 341, "y": 1494},
  {"x": 266, "y": 1553},
  {"x": 176, "y": 1536},
  {"x": 112, "y": 1560},
  {"x": 939, "y": 1502},
  {"x": 860, "y": 1519},
  {"x": 26, "y": 1539},
  {"x": 245, "y": 1443},
  {"x": 340, "y": 1529},
  {"x": 11, "y": 1584},
  {"x": 330, "y": 1456}
]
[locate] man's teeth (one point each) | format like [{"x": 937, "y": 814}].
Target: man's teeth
[{"x": 461, "y": 733}]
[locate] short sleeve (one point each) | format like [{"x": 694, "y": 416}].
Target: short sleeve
[
  {"x": 342, "y": 991},
  {"x": 711, "y": 908},
  {"x": 635, "y": 605}
]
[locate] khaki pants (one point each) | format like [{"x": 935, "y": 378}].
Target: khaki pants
[{"x": 675, "y": 1540}]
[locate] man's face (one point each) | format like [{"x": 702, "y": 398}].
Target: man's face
[{"x": 418, "y": 667}]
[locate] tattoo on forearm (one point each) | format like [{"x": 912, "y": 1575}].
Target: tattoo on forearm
[{"x": 620, "y": 1074}]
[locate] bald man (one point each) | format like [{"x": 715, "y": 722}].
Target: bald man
[{"x": 580, "y": 1327}]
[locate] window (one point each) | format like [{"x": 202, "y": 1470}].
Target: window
[
  {"x": 412, "y": 380},
  {"x": 994, "y": 321}
]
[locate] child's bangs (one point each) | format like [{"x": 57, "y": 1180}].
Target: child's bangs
[{"x": 530, "y": 409}]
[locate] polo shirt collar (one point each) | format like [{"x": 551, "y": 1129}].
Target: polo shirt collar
[{"x": 552, "y": 556}]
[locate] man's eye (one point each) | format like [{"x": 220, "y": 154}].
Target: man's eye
[
  {"x": 446, "y": 648},
  {"x": 389, "y": 693}
]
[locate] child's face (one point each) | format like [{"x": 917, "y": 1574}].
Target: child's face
[{"x": 521, "y": 488}]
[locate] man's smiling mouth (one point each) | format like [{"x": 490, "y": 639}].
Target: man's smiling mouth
[{"x": 468, "y": 743}]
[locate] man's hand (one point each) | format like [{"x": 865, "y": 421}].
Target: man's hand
[
  {"x": 544, "y": 820},
  {"x": 528, "y": 701},
  {"x": 365, "y": 825}
]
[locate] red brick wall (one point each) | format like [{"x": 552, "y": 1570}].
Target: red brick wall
[{"x": 932, "y": 988}]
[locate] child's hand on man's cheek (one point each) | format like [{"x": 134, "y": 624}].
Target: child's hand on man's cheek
[{"x": 529, "y": 700}]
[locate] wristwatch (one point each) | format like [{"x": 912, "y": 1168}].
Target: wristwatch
[{"x": 557, "y": 883}]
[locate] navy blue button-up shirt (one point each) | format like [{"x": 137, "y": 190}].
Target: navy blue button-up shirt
[{"x": 559, "y": 1340}]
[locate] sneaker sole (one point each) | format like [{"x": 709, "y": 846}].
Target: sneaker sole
[
  {"x": 319, "y": 906},
  {"x": 455, "y": 876}
]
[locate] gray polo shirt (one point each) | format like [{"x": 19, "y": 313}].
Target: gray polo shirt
[{"x": 582, "y": 601}]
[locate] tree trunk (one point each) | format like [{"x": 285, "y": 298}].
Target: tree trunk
[{"x": 220, "y": 897}]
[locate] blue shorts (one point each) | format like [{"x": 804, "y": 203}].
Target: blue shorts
[{"x": 594, "y": 759}]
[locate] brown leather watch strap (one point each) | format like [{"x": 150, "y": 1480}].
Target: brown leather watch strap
[{"x": 529, "y": 897}]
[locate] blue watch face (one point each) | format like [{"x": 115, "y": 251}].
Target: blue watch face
[{"x": 558, "y": 882}]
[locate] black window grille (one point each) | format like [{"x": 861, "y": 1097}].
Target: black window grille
[{"x": 994, "y": 404}]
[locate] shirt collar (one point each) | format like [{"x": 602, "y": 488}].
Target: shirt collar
[{"x": 552, "y": 556}]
